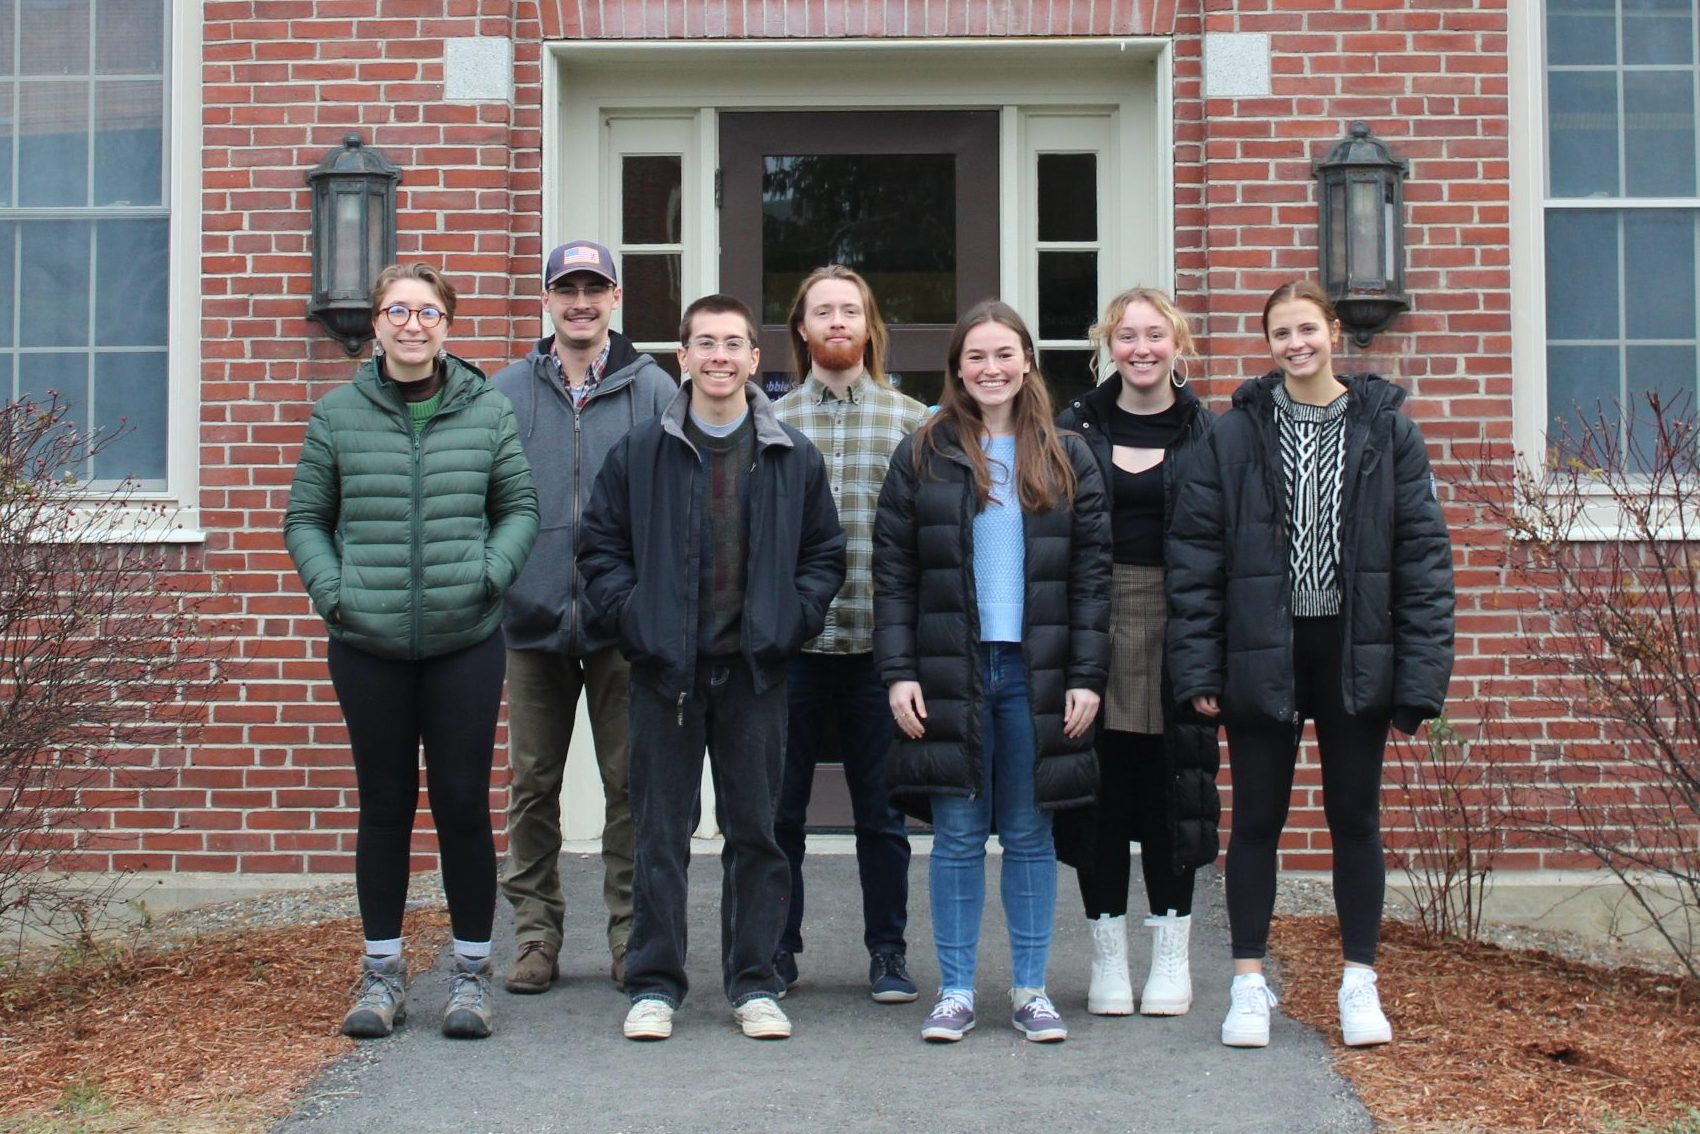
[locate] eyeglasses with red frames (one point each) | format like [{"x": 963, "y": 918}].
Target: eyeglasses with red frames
[{"x": 399, "y": 313}]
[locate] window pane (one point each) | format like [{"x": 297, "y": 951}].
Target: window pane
[
  {"x": 651, "y": 200},
  {"x": 53, "y": 144},
  {"x": 1658, "y": 247},
  {"x": 1582, "y": 31},
  {"x": 925, "y": 386},
  {"x": 1665, "y": 371},
  {"x": 1068, "y": 197},
  {"x": 129, "y": 37},
  {"x": 1068, "y": 373},
  {"x": 1583, "y": 122},
  {"x": 63, "y": 373},
  {"x": 894, "y": 221},
  {"x": 1068, "y": 294},
  {"x": 8, "y": 234},
  {"x": 1658, "y": 31},
  {"x": 130, "y": 401},
  {"x": 131, "y": 293},
  {"x": 651, "y": 299},
  {"x": 1582, "y": 383},
  {"x": 8, "y": 36},
  {"x": 1581, "y": 274},
  {"x": 1659, "y": 137},
  {"x": 129, "y": 141},
  {"x": 55, "y": 38},
  {"x": 7, "y": 132},
  {"x": 54, "y": 284}
]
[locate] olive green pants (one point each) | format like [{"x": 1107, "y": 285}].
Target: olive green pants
[{"x": 543, "y": 693}]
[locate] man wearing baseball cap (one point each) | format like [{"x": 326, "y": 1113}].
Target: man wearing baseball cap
[{"x": 575, "y": 394}]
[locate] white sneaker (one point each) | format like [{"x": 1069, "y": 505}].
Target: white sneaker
[
  {"x": 763, "y": 1018},
  {"x": 1247, "y": 1022},
  {"x": 1168, "y": 987},
  {"x": 1362, "y": 1023},
  {"x": 1111, "y": 992},
  {"x": 649, "y": 1019}
]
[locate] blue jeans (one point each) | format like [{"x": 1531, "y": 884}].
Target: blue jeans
[
  {"x": 961, "y": 826},
  {"x": 822, "y": 687},
  {"x": 744, "y": 733}
]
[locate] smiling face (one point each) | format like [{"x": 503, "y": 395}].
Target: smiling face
[
  {"x": 835, "y": 326},
  {"x": 720, "y": 357},
  {"x": 580, "y": 306},
  {"x": 410, "y": 350},
  {"x": 1301, "y": 340},
  {"x": 1143, "y": 348},
  {"x": 992, "y": 368}
]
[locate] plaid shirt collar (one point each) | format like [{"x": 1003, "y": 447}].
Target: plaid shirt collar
[
  {"x": 580, "y": 394},
  {"x": 820, "y": 394}
]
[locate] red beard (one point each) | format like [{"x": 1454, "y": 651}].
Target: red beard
[{"x": 837, "y": 356}]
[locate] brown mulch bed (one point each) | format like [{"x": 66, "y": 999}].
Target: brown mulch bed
[
  {"x": 226, "y": 1027},
  {"x": 1491, "y": 1039}
]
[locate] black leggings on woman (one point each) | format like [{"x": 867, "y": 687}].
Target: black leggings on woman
[
  {"x": 1263, "y": 756},
  {"x": 450, "y": 702},
  {"x": 1133, "y": 786}
]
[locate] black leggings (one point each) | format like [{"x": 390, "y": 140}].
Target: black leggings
[
  {"x": 449, "y": 702},
  {"x": 1133, "y": 787},
  {"x": 1263, "y": 755}
]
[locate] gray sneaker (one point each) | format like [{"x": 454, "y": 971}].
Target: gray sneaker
[
  {"x": 380, "y": 998},
  {"x": 468, "y": 1015},
  {"x": 951, "y": 1019},
  {"x": 1037, "y": 1018}
]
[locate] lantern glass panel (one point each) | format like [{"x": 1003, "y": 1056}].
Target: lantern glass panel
[
  {"x": 347, "y": 241},
  {"x": 377, "y": 243},
  {"x": 1336, "y": 232},
  {"x": 1365, "y": 241}
]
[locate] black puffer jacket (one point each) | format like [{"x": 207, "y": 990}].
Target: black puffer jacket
[
  {"x": 1190, "y": 745},
  {"x": 927, "y": 623},
  {"x": 1230, "y": 598}
]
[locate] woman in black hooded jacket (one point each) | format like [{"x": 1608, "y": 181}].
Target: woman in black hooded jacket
[{"x": 1310, "y": 577}]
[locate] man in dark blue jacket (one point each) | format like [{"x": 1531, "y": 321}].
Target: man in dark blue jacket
[{"x": 712, "y": 547}]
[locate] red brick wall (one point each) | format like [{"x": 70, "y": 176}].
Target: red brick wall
[{"x": 269, "y": 786}]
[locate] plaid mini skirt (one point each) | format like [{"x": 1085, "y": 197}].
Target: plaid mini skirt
[{"x": 1133, "y": 699}]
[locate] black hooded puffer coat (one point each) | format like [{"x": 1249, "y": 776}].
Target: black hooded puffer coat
[{"x": 927, "y": 623}]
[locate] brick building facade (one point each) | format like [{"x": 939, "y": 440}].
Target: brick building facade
[{"x": 520, "y": 123}]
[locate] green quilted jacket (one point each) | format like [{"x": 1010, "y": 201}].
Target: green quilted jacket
[{"x": 407, "y": 543}]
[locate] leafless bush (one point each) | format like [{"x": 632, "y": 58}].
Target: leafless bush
[
  {"x": 96, "y": 655},
  {"x": 1605, "y": 538}
]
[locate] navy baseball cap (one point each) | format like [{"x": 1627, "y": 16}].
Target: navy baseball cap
[{"x": 578, "y": 256}]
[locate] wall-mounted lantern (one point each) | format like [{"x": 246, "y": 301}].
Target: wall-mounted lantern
[
  {"x": 353, "y": 238},
  {"x": 1361, "y": 236}
]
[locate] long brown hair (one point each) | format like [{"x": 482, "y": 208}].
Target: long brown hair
[
  {"x": 873, "y": 354},
  {"x": 1044, "y": 477}
]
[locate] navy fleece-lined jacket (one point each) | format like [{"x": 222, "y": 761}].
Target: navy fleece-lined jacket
[
  {"x": 642, "y": 538},
  {"x": 1230, "y": 631}
]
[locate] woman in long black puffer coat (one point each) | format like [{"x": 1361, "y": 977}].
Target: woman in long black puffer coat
[
  {"x": 1310, "y": 577},
  {"x": 991, "y": 607}
]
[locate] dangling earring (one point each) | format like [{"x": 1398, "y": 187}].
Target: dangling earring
[
  {"x": 442, "y": 355},
  {"x": 1181, "y": 380}
]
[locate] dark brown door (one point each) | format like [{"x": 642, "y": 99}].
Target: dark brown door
[{"x": 909, "y": 199}]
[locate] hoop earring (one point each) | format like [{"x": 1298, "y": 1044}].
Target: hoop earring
[{"x": 1183, "y": 379}]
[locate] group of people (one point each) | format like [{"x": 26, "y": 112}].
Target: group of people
[{"x": 1012, "y": 619}]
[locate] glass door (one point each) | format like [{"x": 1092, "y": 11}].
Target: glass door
[{"x": 907, "y": 198}]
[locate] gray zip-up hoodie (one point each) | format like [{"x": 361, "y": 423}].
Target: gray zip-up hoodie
[{"x": 566, "y": 448}]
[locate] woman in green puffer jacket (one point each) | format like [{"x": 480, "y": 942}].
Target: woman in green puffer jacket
[{"x": 411, "y": 514}]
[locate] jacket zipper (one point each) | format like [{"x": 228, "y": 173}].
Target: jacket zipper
[
  {"x": 578, "y": 511},
  {"x": 1275, "y": 484}
]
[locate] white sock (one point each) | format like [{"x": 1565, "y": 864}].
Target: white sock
[
  {"x": 966, "y": 994},
  {"x": 1353, "y": 975},
  {"x": 1249, "y": 978},
  {"x": 471, "y": 950},
  {"x": 390, "y": 948}
]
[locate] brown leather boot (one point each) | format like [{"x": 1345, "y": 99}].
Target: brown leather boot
[{"x": 535, "y": 969}]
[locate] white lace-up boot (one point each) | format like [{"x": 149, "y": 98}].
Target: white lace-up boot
[
  {"x": 1168, "y": 988},
  {"x": 1111, "y": 990}
]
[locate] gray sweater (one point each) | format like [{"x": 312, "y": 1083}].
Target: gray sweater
[{"x": 545, "y": 607}]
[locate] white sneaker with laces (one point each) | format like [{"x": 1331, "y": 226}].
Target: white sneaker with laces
[
  {"x": 649, "y": 1019},
  {"x": 1362, "y": 1022},
  {"x": 1247, "y": 1022},
  {"x": 1110, "y": 992},
  {"x": 763, "y": 1018}
]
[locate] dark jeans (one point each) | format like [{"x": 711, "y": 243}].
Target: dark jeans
[
  {"x": 845, "y": 689},
  {"x": 1263, "y": 756},
  {"x": 449, "y": 702},
  {"x": 1133, "y": 804},
  {"x": 744, "y": 733}
]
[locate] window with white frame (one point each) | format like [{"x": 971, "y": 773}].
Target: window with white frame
[
  {"x": 649, "y": 167},
  {"x": 1621, "y": 206},
  {"x": 85, "y": 221}
]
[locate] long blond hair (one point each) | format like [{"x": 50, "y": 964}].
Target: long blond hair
[{"x": 1044, "y": 477}]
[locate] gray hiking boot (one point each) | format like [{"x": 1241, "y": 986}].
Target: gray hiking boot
[
  {"x": 468, "y": 1015},
  {"x": 380, "y": 998}
]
